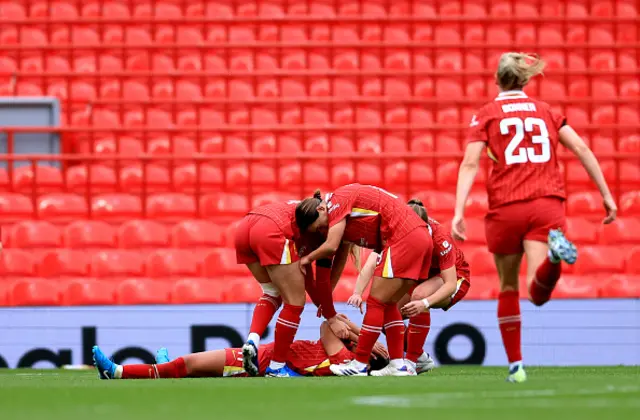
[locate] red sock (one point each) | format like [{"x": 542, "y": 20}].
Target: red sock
[
  {"x": 417, "y": 332},
  {"x": 510, "y": 324},
  {"x": 371, "y": 329},
  {"x": 286, "y": 329},
  {"x": 394, "y": 328},
  {"x": 173, "y": 369},
  {"x": 264, "y": 312},
  {"x": 544, "y": 282}
]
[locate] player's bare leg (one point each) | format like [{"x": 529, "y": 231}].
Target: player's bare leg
[
  {"x": 544, "y": 264},
  {"x": 267, "y": 306},
  {"x": 509, "y": 313},
  {"x": 205, "y": 364},
  {"x": 290, "y": 282},
  {"x": 419, "y": 327}
]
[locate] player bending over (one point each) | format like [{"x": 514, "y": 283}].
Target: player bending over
[
  {"x": 372, "y": 218},
  {"x": 526, "y": 193},
  {"x": 448, "y": 283},
  {"x": 265, "y": 241},
  {"x": 305, "y": 358}
]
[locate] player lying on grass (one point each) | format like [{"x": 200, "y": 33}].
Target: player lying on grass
[
  {"x": 448, "y": 283},
  {"x": 305, "y": 358}
]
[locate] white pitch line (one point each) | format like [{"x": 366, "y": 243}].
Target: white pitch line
[{"x": 443, "y": 399}]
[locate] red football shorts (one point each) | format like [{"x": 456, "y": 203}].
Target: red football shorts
[
  {"x": 258, "y": 238},
  {"x": 507, "y": 226},
  {"x": 407, "y": 258}
]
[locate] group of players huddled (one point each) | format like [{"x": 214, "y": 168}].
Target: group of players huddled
[{"x": 415, "y": 264}]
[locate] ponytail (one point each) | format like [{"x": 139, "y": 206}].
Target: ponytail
[
  {"x": 307, "y": 211},
  {"x": 515, "y": 70}
]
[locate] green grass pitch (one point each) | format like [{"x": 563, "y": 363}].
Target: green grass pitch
[{"x": 446, "y": 393}]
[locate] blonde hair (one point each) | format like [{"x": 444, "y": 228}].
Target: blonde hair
[
  {"x": 356, "y": 256},
  {"x": 516, "y": 69}
]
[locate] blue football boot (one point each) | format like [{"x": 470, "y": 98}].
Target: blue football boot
[
  {"x": 106, "y": 368},
  {"x": 561, "y": 248},
  {"x": 283, "y": 372},
  {"x": 162, "y": 356}
]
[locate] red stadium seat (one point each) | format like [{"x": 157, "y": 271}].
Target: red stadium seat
[
  {"x": 439, "y": 204},
  {"x": 593, "y": 260},
  {"x": 88, "y": 292},
  {"x": 190, "y": 177},
  {"x": 581, "y": 230},
  {"x": 34, "y": 234},
  {"x": 477, "y": 204},
  {"x": 482, "y": 262},
  {"x": 151, "y": 178},
  {"x": 483, "y": 287},
  {"x": 168, "y": 207},
  {"x": 43, "y": 179},
  {"x": 116, "y": 207},
  {"x": 89, "y": 234},
  {"x": 623, "y": 231},
  {"x": 630, "y": 203},
  {"x": 197, "y": 234},
  {"x": 584, "y": 204},
  {"x": 221, "y": 262},
  {"x": 632, "y": 263},
  {"x": 243, "y": 289},
  {"x": 142, "y": 234},
  {"x": 142, "y": 292},
  {"x": 223, "y": 205},
  {"x": 103, "y": 178},
  {"x": 189, "y": 291},
  {"x": 34, "y": 292},
  {"x": 621, "y": 286},
  {"x": 576, "y": 287},
  {"x": 16, "y": 263},
  {"x": 475, "y": 231},
  {"x": 62, "y": 207},
  {"x": 117, "y": 263},
  {"x": 64, "y": 263},
  {"x": 173, "y": 263}
]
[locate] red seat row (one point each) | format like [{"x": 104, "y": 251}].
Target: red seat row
[{"x": 141, "y": 291}]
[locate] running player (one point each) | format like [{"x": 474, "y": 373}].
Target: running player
[
  {"x": 448, "y": 283},
  {"x": 373, "y": 218},
  {"x": 306, "y": 358},
  {"x": 265, "y": 242},
  {"x": 526, "y": 193}
]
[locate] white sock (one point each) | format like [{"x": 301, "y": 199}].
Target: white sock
[
  {"x": 397, "y": 363},
  {"x": 552, "y": 257},
  {"x": 411, "y": 364},
  {"x": 255, "y": 338},
  {"x": 118, "y": 373},
  {"x": 514, "y": 364},
  {"x": 276, "y": 365},
  {"x": 359, "y": 365},
  {"x": 424, "y": 357}
]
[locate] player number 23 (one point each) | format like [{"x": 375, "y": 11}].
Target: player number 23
[{"x": 516, "y": 154}]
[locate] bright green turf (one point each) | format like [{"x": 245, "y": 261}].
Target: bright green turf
[{"x": 447, "y": 393}]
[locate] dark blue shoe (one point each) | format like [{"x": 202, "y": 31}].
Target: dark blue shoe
[
  {"x": 162, "y": 356},
  {"x": 283, "y": 372},
  {"x": 106, "y": 368},
  {"x": 562, "y": 248},
  {"x": 250, "y": 361}
]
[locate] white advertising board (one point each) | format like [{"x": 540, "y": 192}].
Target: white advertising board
[{"x": 562, "y": 333}]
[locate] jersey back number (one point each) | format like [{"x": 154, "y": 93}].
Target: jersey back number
[{"x": 514, "y": 153}]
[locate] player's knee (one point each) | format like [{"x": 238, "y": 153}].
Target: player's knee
[
  {"x": 270, "y": 289},
  {"x": 537, "y": 300}
]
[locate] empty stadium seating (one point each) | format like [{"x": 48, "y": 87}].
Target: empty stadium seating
[{"x": 391, "y": 82}]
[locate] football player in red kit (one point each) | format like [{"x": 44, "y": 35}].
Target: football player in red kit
[
  {"x": 448, "y": 283},
  {"x": 306, "y": 358},
  {"x": 373, "y": 218},
  {"x": 265, "y": 241},
  {"x": 526, "y": 192}
]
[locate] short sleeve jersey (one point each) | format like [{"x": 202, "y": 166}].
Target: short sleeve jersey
[
  {"x": 374, "y": 216},
  {"x": 445, "y": 252},
  {"x": 283, "y": 214},
  {"x": 521, "y": 135}
]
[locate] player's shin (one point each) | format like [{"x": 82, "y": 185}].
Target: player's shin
[
  {"x": 394, "y": 328},
  {"x": 371, "y": 329},
  {"x": 267, "y": 306},
  {"x": 173, "y": 369},
  {"x": 417, "y": 333},
  {"x": 510, "y": 325},
  {"x": 286, "y": 329},
  {"x": 545, "y": 280}
]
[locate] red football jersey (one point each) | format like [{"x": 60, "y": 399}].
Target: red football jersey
[
  {"x": 521, "y": 135},
  {"x": 374, "y": 216},
  {"x": 284, "y": 214},
  {"x": 445, "y": 252}
]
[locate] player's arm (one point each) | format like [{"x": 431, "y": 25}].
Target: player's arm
[
  {"x": 328, "y": 247},
  {"x": 466, "y": 176},
  {"x": 364, "y": 277},
  {"x": 572, "y": 141},
  {"x": 339, "y": 262},
  {"x": 448, "y": 288},
  {"x": 331, "y": 343}
]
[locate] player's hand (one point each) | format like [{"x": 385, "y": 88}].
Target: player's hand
[
  {"x": 356, "y": 301},
  {"x": 611, "y": 209},
  {"x": 458, "y": 228},
  {"x": 339, "y": 328},
  {"x": 380, "y": 351},
  {"x": 303, "y": 265},
  {"x": 413, "y": 308}
]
